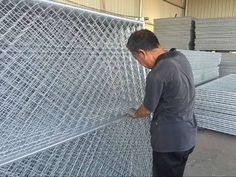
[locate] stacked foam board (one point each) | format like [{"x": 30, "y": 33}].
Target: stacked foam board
[
  {"x": 204, "y": 65},
  {"x": 215, "y": 34},
  {"x": 215, "y": 105},
  {"x": 228, "y": 64},
  {"x": 175, "y": 32}
]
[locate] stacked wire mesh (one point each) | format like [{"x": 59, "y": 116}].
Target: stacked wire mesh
[
  {"x": 215, "y": 105},
  {"x": 204, "y": 65},
  {"x": 66, "y": 82},
  {"x": 175, "y": 32},
  {"x": 215, "y": 34},
  {"x": 228, "y": 64}
]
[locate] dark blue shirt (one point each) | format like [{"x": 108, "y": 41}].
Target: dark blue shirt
[{"x": 170, "y": 94}]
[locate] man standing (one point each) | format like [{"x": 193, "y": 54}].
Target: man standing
[{"x": 169, "y": 95}]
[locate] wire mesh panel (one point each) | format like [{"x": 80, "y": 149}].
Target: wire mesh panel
[
  {"x": 117, "y": 150},
  {"x": 216, "y": 104},
  {"x": 228, "y": 64},
  {"x": 175, "y": 32},
  {"x": 204, "y": 65},
  {"x": 216, "y": 34},
  {"x": 64, "y": 72}
]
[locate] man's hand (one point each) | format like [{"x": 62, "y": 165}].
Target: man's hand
[
  {"x": 131, "y": 112},
  {"x": 142, "y": 111}
]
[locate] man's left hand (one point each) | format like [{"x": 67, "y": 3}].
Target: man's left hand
[
  {"x": 131, "y": 112},
  {"x": 141, "y": 112}
]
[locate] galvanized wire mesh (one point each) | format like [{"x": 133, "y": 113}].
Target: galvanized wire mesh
[
  {"x": 117, "y": 150},
  {"x": 175, "y": 32},
  {"x": 227, "y": 64},
  {"x": 64, "y": 72},
  {"x": 216, "y": 104},
  {"x": 204, "y": 65},
  {"x": 215, "y": 34}
]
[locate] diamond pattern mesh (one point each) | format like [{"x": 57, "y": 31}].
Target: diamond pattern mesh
[
  {"x": 115, "y": 150},
  {"x": 65, "y": 72}
]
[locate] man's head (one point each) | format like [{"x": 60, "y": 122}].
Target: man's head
[{"x": 144, "y": 46}]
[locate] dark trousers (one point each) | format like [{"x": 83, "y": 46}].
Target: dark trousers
[{"x": 170, "y": 163}]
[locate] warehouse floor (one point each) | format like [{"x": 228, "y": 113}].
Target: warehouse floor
[{"x": 214, "y": 155}]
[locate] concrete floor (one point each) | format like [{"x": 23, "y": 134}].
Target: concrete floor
[{"x": 214, "y": 155}]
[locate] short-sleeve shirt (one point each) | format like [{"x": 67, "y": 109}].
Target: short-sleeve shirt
[{"x": 170, "y": 94}]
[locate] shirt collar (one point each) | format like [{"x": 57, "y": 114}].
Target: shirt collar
[{"x": 170, "y": 53}]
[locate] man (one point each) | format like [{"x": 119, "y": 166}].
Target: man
[{"x": 169, "y": 95}]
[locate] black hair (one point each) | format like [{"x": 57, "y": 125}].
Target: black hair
[{"x": 142, "y": 39}]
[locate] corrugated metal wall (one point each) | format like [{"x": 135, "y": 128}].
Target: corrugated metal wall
[
  {"x": 129, "y": 8},
  {"x": 122, "y": 7},
  {"x": 149, "y": 8},
  {"x": 168, "y": 10},
  {"x": 161, "y": 9},
  {"x": 88, "y": 3},
  {"x": 211, "y": 8}
]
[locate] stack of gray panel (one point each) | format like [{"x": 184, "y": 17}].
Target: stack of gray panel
[
  {"x": 215, "y": 34},
  {"x": 65, "y": 88},
  {"x": 175, "y": 32},
  {"x": 204, "y": 65},
  {"x": 215, "y": 105},
  {"x": 228, "y": 64}
]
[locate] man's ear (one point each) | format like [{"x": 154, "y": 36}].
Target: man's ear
[{"x": 141, "y": 53}]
